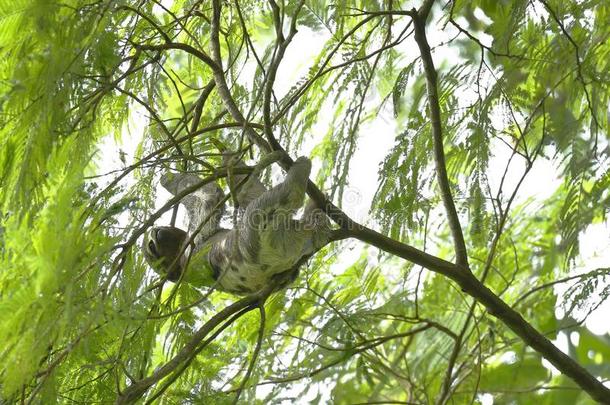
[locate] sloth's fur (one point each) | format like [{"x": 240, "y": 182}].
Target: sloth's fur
[{"x": 265, "y": 242}]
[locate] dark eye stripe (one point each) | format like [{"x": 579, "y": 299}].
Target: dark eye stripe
[{"x": 152, "y": 248}]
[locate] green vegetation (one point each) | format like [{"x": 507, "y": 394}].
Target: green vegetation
[{"x": 490, "y": 119}]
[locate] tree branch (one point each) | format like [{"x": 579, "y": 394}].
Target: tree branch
[
  {"x": 257, "y": 349},
  {"x": 184, "y": 47},
  {"x": 221, "y": 82},
  {"x": 280, "y": 47},
  {"x": 419, "y": 20},
  {"x": 138, "y": 388},
  {"x": 496, "y": 307}
]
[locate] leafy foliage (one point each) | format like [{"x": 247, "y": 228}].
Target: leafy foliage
[{"x": 523, "y": 90}]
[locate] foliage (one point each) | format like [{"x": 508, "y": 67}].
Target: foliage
[{"x": 522, "y": 86}]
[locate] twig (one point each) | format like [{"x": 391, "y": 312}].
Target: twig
[{"x": 259, "y": 343}]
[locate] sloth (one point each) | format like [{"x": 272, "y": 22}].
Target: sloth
[{"x": 266, "y": 245}]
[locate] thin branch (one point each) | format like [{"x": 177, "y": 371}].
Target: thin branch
[
  {"x": 579, "y": 69},
  {"x": 591, "y": 274},
  {"x": 152, "y": 22},
  {"x": 147, "y": 158},
  {"x": 325, "y": 69},
  {"x": 178, "y": 372},
  {"x": 419, "y": 21},
  {"x": 348, "y": 354},
  {"x": 202, "y": 56},
  {"x": 221, "y": 82},
  {"x": 259, "y": 343},
  {"x": 137, "y": 389},
  {"x": 281, "y": 46}
]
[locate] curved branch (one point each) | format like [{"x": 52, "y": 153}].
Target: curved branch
[
  {"x": 183, "y": 47},
  {"x": 138, "y": 388},
  {"x": 348, "y": 354},
  {"x": 437, "y": 135},
  {"x": 281, "y": 46},
  {"x": 257, "y": 349},
  {"x": 221, "y": 82}
]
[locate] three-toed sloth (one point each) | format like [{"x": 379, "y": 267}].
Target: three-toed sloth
[{"x": 265, "y": 242}]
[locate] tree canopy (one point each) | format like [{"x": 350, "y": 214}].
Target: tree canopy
[{"x": 461, "y": 149}]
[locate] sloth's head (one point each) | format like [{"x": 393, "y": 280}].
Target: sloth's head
[{"x": 162, "y": 248}]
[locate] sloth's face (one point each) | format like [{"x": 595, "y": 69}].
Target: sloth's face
[{"x": 162, "y": 248}]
